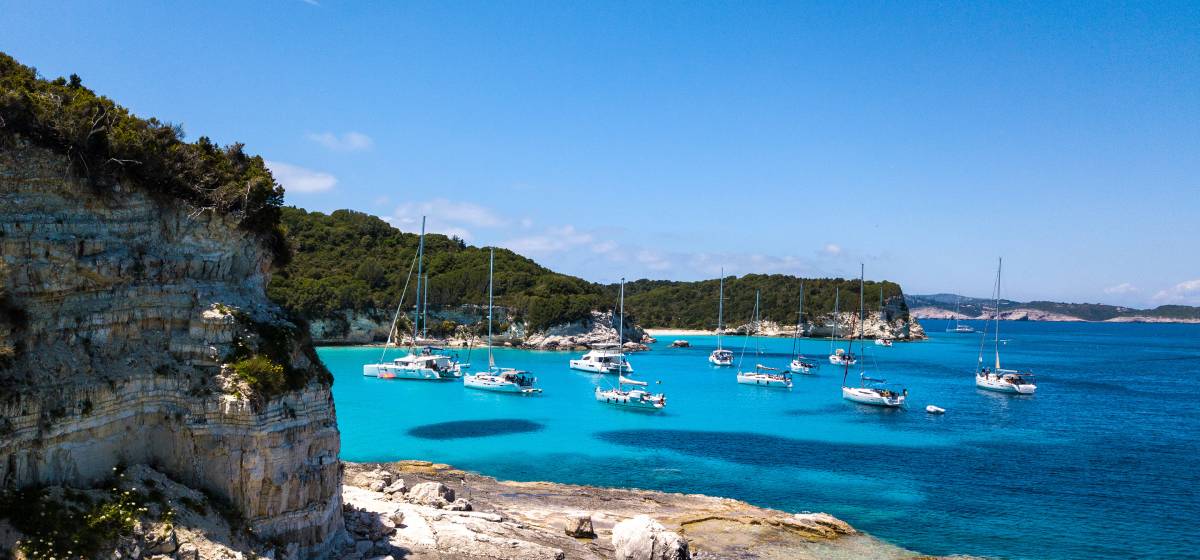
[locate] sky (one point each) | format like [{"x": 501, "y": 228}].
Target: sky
[{"x": 673, "y": 139}]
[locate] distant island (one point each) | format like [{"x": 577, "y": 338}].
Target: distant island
[{"x": 953, "y": 306}]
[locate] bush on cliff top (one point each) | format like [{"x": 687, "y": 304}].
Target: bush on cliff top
[
  {"x": 105, "y": 143},
  {"x": 262, "y": 374}
]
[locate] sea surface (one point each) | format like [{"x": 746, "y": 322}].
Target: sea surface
[{"x": 1103, "y": 462}]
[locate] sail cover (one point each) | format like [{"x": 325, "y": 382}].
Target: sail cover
[{"x": 627, "y": 381}]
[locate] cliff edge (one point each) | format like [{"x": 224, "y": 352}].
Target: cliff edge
[{"x": 134, "y": 328}]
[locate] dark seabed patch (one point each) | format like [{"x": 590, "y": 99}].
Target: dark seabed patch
[{"x": 475, "y": 428}]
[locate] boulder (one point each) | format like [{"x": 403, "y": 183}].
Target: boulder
[
  {"x": 643, "y": 538},
  {"x": 396, "y": 487},
  {"x": 433, "y": 494},
  {"x": 580, "y": 526},
  {"x": 460, "y": 504}
]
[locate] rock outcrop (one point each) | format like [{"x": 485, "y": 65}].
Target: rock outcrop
[
  {"x": 124, "y": 312},
  {"x": 547, "y": 521},
  {"x": 890, "y": 327}
]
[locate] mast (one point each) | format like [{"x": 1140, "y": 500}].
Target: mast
[
  {"x": 491, "y": 269},
  {"x": 420, "y": 264},
  {"x": 799, "y": 321},
  {"x": 881, "y": 302},
  {"x": 425, "y": 310},
  {"x": 621, "y": 330},
  {"x": 999, "y": 266},
  {"x": 836, "y": 305},
  {"x": 757, "y": 327},
  {"x": 861, "y": 288},
  {"x": 720, "y": 308}
]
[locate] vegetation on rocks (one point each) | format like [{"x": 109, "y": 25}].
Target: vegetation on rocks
[
  {"x": 107, "y": 144},
  {"x": 693, "y": 305}
]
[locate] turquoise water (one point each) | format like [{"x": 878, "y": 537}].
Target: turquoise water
[{"x": 1101, "y": 463}]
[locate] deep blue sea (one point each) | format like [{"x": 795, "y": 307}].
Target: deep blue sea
[{"x": 1103, "y": 462}]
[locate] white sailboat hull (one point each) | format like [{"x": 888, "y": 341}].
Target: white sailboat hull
[
  {"x": 390, "y": 371},
  {"x": 763, "y": 380},
  {"x": 841, "y": 361},
  {"x": 716, "y": 360},
  {"x": 1000, "y": 385},
  {"x": 797, "y": 367},
  {"x": 864, "y": 395},
  {"x": 616, "y": 398},
  {"x": 595, "y": 367},
  {"x": 485, "y": 382}
]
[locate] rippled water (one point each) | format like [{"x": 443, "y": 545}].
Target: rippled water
[{"x": 1101, "y": 463}]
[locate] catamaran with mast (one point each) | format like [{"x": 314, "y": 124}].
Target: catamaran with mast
[
  {"x": 636, "y": 398},
  {"x": 501, "y": 380},
  {"x": 762, "y": 376},
  {"x": 425, "y": 364},
  {"x": 607, "y": 358},
  {"x": 871, "y": 391},
  {"x": 839, "y": 357},
  {"x": 998, "y": 379},
  {"x": 721, "y": 356},
  {"x": 800, "y": 364}
]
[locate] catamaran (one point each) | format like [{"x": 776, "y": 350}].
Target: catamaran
[
  {"x": 999, "y": 379},
  {"x": 607, "y": 358},
  {"x": 721, "y": 356},
  {"x": 502, "y": 380},
  {"x": 800, "y": 364},
  {"x": 871, "y": 391},
  {"x": 839, "y": 357},
  {"x": 637, "y": 398},
  {"x": 427, "y": 363},
  {"x": 762, "y": 376},
  {"x": 958, "y": 327}
]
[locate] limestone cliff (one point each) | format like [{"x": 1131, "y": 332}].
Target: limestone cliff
[
  {"x": 889, "y": 327},
  {"x": 120, "y": 315}
]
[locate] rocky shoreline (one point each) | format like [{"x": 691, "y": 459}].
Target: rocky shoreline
[{"x": 419, "y": 510}]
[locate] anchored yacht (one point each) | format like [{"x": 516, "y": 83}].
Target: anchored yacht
[
  {"x": 996, "y": 378},
  {"x": 761, "y": 375},
  {"x": 799, "y": 363},
  {"x": 839, "y": 357},
  {"x": 501, "y": 380},
  {"x": 721, "y": 356},
  {"x": 603, "y": 359},
  {"x": 636, "y": 398},
  {"x": 870, "y": 391}
]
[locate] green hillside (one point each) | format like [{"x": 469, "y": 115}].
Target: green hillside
[
  {"x": 693, "y": 305},
  {"x": 349, "y": 260}
]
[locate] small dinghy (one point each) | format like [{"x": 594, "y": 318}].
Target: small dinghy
[{"x": 932, "y": 409}]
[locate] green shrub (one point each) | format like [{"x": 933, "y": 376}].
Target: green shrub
[{"x": 262, "y": 374}]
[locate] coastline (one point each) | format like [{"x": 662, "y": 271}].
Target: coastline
[{"x": 451, "y": 512}]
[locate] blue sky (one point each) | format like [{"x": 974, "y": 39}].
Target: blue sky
[{"x": 669, "y": 139}]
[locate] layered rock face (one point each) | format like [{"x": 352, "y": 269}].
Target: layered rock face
[
  {"x": 119, "y": 312},
  {"x": 873, "y": 326}
]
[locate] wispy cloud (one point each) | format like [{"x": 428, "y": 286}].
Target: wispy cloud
[
  {"x": 300, "y": 179},
  {"x": 831, "y": 250},
  {"x": 553, "y": 240},
  {"x": 446, "y": 216},
  {"x": 1121, "y": 289},
  {"x": 346, "y": 142},
  {"x": 1187, "y": 293}
]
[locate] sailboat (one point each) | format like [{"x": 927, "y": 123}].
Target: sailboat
[
  {"x": 636, "y": 398},
  {"x": 501, "y": 380},
  {"x": 425, "y": 364},
  {"x": 998, "y": 379},
  {"x": 883, "y": 340},
  {"x": 871, "y": 391},
  {"x": 762, "y": 376},
  {"x": 839, "y": 357},
  {"x": 721, "y": 356},
  {"x": 958, "y": 327},
  {"x": 800, "y": 364}
]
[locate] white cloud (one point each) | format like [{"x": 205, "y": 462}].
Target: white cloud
[
  {"x": 346, "y": 142},
  {"x": 526, "y": 223},
  {"x": 1121, "y": 289},
  {"x": 554, "y": 240},
  {"x": 448, "y": 212},
  {"x": 653, "y": 260},
  {"x": 831, "y": 250},
  {"x": 299, "y": 179},
  {"x": 1184, "y": 293},
  {"x": 604, "y": 247}
]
